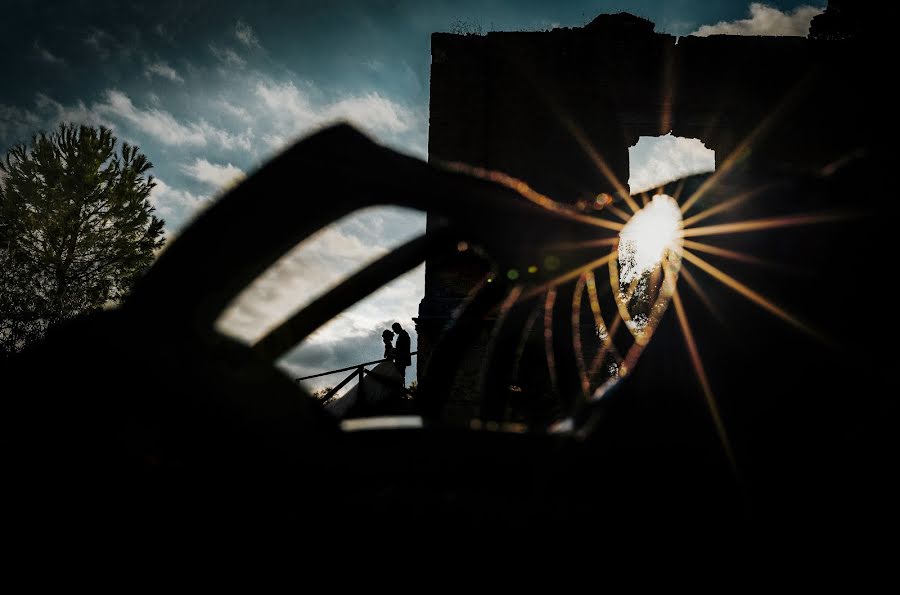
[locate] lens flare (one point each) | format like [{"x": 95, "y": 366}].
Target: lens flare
[
  {"x": 647, "y": 237},
  {"x": 649, "y": 259}
]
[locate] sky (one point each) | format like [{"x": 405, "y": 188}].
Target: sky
[{"x": 209, "y": 90}]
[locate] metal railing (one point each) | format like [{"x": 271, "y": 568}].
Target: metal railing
[{"x": 359, "y": 371}]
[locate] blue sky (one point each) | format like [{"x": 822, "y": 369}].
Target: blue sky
[{"x": 210, "y": 90}]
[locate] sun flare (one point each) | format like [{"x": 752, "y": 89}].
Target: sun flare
[
  {"x": 646, "y": 238},
  {"x": 649, "y": 258}
]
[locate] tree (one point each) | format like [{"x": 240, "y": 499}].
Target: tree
[
  {"x": 76, "y": 228},
  {"x": 320, "y": 394}
]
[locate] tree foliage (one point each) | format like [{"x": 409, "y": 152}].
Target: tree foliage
[
  {"x": 320, "y": 394},
  {"x": 76, "y": 228}
]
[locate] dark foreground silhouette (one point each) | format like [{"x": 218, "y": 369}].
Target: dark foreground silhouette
[
  {"x": 188, "y": 440},
  {"x": 189, "y": 435}
]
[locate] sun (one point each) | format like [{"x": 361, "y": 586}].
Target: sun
[
  {"x": 648, "y": 236},
  {"x": 649, "y": 259}
]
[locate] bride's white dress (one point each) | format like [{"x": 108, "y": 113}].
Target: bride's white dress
[{"x": 374, "y": 396}]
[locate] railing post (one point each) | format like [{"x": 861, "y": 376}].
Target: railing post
[{"x": 361, "y": 391}]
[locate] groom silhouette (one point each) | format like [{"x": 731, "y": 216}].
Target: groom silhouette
[{"x": 401, "y": 350}]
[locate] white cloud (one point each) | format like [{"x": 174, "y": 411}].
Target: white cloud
[
  {"x": 294, "y": 110},
  {"x": 274, "y": 114},
  {"x": 46, "y": 55},
  {"x": 225, "y": 139},
  {"x": 275, "y": 141},
  {"x": 657, "y": 160},
  {"x": 117, "y": 108},
  {"x": 227, "y": 56},
  {"x": 73, "y": 114},
  {"x": 373, "y": 112},
  {"x": 176, "y": 206},
  {"x": 215, "y": 175},
  {"x": 765, "y": 20},
  {"x": 287, "y": 103},
  {"x": 234, "y": 111},
  {"x": 164, "y": 127},
  {"x": 169, "y": 201},
  {"x": 159, "y": 124},
  {"x": 163, "y": 70},
  {"x": 245, "y": 34}
]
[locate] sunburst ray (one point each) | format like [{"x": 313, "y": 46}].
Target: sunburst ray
[
  {"x": 762, "y": 224},
  {"x": 752, "y": 295},
  {"x": 729, "y": 254},
  {"x": 598, "y": 161},
  {"x": 584, "y": 245},
  {"x": 679, "y": 188},
  {"x": 723, "y": 206},
  {"x": 704, "y": 381},
  {"x": 619, "y": 212},
  {"x": 701, "y": 293}
]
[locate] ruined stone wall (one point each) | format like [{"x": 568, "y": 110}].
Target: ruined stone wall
[{"x": 546, "y": 107}]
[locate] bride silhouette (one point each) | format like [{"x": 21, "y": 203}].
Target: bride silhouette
[{"x": 378, "y": 393}]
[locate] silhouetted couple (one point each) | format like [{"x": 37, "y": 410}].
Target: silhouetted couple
[
  {"x": 399, "y": 354},
  {"x": 382, "y": 389}
]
